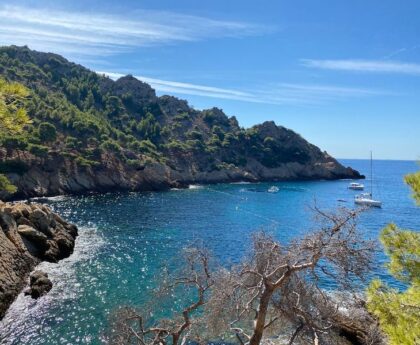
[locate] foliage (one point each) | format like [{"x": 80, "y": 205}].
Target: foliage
[
  {"x": 13, "y": 116},
  {"x": 38, "y": 150},
  {"x": 177, "y": 145},
  {"x": 17, "y": 142},
  {"x": 111, "y": 145},
  {"x": 5, "y": 185},
  {"x": 72, "y": 142},
  {"x": 414, "y": 181},
  {"x": 47, "y": 132},
  {"x": 399, "y": 311},
  {"x": 149, "y": 128},
  {"x": 83, "y": 162}
]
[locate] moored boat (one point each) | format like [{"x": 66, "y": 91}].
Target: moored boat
[
  {"x": 366, "y": 199},
  {"x": 356, "y": 186}
]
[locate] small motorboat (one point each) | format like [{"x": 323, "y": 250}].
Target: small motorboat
[
  {"x": 356, "y": 186},
  {"x": 365, "y": 199},
  {"x": 273, "y": 189}
]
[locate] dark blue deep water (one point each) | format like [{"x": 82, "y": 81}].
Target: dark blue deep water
[{"x": 126, "y": 238}]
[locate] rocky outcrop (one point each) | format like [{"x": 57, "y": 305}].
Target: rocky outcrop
[
  {"x": 39, "y": 284},
  {"x": 29, "y": 234},
  {"x": 57, "y": 175},
  {"x": 65, "y": 177}
]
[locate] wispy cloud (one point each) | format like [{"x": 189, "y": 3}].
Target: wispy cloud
[
  {"x": 401, "y": 51},
  {"x": 101, "y": 33},
  {"x": 374, "y": 66},
  {"x": 280, "y": 93}
]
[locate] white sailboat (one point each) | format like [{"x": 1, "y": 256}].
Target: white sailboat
[{"x": 366, "y": 199}]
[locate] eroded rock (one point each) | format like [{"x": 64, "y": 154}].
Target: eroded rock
[
  {"x": 39, "y": 284},
  {"x": 29, "y": 234}
]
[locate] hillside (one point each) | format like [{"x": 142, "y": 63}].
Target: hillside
[{"x": 90, "y": 133}]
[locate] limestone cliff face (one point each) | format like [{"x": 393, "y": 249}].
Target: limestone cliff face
[
  {"x": 57, "y": 175},
  {"x": 29, "y": 234}
]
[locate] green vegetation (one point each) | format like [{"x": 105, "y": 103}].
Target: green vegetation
[
  {"x": 13, "y": 119},
  {"x": 80, "y": 115},
  {"x": 47, "y": 132},
  {"x": 399, "y": 311},
  {"x": 13, "y": 116},
  {"x": 5, "y": 185},
  {"x": 38, "y": 150},
  {"x": 413, "y": 180}
]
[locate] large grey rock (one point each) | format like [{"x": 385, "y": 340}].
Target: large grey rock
[
  {"x": 29, "y": 234},
  {"x": 38, "y": 238},
  {"x": 39, "y": 284}
]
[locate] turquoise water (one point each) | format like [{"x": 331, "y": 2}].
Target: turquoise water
[{"x": 126, "y": 238}]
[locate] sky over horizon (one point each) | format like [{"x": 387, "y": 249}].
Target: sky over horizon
[{"x": 344, "y": 75}]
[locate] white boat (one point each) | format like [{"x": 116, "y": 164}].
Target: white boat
[
  {"x": 273, "y": 189},
  {"x": 366, "y": 199},
  {"x": 356, "y": 186}
]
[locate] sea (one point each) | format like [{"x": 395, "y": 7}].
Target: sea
[{"x": 126, "y": 239}]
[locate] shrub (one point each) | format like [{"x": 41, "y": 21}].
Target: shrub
[
  {"x": 135, "y": 164},
  {"x": 195, "y": 144},
  {"x": 209, "y": 118},
  {"x": 111, "y": 145},
  {"x": 14, "y": 143},
  {"x": 47, "y": 132},
  {"x": 177, "y": 145},
  {"x": 38, "y": 150},
  {"x": 195, "y": 135},
  {"x": 148, "y": 127},
  {"x": 269, "y": 142},
  {"x": 81, "y": 161},
  {"x": 181, "y": 117},
  {"x": 214, "y": 141},
  {"x": 217, "y": 130},
  {"x": 5, "y": 185},
  {"x": 72, "y": 142}
]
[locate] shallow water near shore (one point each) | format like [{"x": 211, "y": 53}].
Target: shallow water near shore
[{"x": 125, "y": 239}]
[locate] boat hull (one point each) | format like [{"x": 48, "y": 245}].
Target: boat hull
[{"x": 368, "y": 202}]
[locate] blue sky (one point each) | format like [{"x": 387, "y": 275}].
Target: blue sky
[{"x": 345, "y": 75}]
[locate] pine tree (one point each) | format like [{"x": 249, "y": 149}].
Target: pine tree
[
  {"x": 13, "y": 118},
  {"x": 399, "y": 311}
]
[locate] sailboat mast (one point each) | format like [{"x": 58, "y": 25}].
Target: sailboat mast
[{"x": 371, "y": 174}]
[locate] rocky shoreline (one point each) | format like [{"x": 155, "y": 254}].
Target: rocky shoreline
[
  {"x": 56, "y": 175},
  {"x": 29, "y": 234}
]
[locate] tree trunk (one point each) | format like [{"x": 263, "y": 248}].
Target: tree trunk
[
  {"x": 261, "y": 316},
  {"x": 175, "y": 339}
]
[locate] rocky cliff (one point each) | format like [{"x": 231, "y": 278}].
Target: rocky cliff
[
  {"x": 56, "y": 174},
  {"x": 29, "y": 234},
  {"x": 90, "y": 133}
]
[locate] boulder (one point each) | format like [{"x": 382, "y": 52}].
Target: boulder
[
  {"x": 39, "y": 284},
  {"x": 35, "y": 236},
  {"x": 29, "y": 234},
  {"x": 41, "y": 219}
]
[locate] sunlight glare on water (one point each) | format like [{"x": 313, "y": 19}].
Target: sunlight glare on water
[{"x": 126, "y": 238}]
